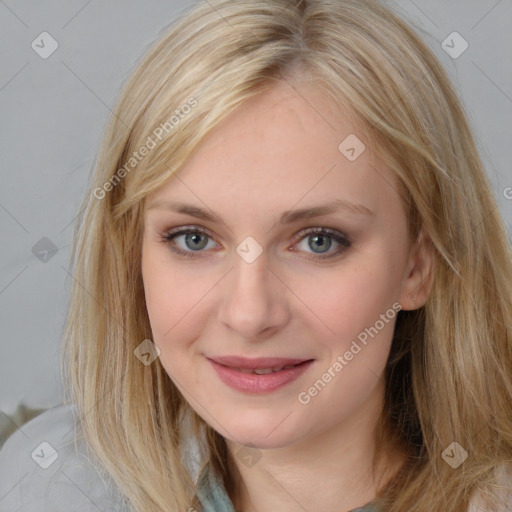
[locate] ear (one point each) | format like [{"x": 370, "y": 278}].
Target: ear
[{"x": 418, "y": 278}]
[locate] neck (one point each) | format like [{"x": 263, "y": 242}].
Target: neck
[{"x": 331, "y": 471}]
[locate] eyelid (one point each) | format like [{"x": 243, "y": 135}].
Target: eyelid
[
  {"x": 183, "y": 230},
  {"x": 299, "y": 235},
  {"x": 341, "y": 238}
]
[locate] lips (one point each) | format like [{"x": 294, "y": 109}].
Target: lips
[
  {"x": 260, "y": 365},
  {"x": 261, "y": 375}
]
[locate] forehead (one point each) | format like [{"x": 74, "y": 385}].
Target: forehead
[{"x": 285, "y": 146}]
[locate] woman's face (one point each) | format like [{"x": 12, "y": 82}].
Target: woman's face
[{"x": 250, "y": 285}]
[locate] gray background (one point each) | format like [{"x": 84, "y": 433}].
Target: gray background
[{"x": 54, "y": 112}]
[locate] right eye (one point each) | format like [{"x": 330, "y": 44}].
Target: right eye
[{"x": 194, "y": 240}]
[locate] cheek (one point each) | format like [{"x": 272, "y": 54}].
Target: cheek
[
  {"x": 175, "y": 299},
  {"x": 356, "y": 303},
  {"x": 160, "y": 284},
  {"x": 352, "y": 297}
]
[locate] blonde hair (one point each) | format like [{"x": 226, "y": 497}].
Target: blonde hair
[{"x": 449, "y": 373}]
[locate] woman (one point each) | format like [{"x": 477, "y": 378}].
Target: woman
[{"x": 258, "y": 370}]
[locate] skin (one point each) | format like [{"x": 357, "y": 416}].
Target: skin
[{"x": 280, "y": 152}]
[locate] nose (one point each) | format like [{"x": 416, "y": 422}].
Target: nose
[{"x": 255, "y": 299}]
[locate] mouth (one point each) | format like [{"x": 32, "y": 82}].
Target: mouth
[
  {"x": 260, "y": 375},
  {"x": 260, "y": 365}
]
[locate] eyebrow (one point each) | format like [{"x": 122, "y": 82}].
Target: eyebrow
[{"x": 287, "y": 217}]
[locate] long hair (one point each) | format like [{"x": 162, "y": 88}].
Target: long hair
[{"x": 448, "y": 378}]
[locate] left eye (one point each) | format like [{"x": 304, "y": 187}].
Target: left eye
[
  {"x": 322, "y": 238},
  {"x": 316, "y": 238}
]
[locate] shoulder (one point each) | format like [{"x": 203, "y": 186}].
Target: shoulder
[{"x": 44, "y": 467}]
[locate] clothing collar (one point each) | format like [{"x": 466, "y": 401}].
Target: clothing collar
[
  {"x": 211, "y": 491},
  {"x": 214, "y": 498}
]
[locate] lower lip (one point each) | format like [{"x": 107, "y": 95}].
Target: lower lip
[{"x": 254, "y": 383}]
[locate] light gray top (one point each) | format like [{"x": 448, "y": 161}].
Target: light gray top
[{"x": 42, "y": 469}]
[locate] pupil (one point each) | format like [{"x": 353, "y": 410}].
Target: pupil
[
  {"x": 319, "y": 245},
  {"x": 194, "y": 237}
]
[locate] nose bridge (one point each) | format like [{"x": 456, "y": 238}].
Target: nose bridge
[{"x": 254, "y": 298}]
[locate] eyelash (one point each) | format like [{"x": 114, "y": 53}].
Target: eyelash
[{"x": 340, "y": 238}]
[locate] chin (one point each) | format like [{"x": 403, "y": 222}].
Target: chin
[{"x": 263, "y": 434}]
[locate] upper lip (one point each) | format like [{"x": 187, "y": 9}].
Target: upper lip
[{"x": 257, "y": 363}]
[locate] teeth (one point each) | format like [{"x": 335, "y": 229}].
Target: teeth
[
  {"x": 266, "y": 371},
  {"x": 244, "y": 371}
]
